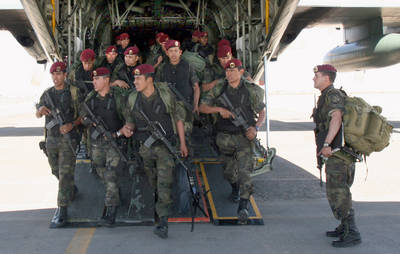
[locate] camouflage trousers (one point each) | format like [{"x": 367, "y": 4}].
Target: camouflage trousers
[
  {"x": 62, "y": 162},
  {"x": 237, "y": 156},
  {"x": 159, "y": 167},
  {"x": 107, "y": 161},
  {"x": 339, "y": 178}
]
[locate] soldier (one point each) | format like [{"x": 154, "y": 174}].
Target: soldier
[
  {"x": 107, "y": 104},
  {"x": 122, "y": 75},
  {"x": 111, "y": 59},
  {"x": 216, "y": 73},
  {"x": 155, "y": 50},
  {"x": 163, "y": 53},
  {"x": 61, "y": 137},
  {"x": 81, "y": 73},
  {"x": 159, "y": 104},
  {"x": 204, "y": 49},
  {"x": 234, "y": 142},
  {"x": 124, "y": 43},
  {"x": 340, "y": 167}
]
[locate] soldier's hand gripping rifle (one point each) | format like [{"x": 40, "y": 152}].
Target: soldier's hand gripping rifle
[
  {"x": 58, "y": 119},
  {"x": 102, "y": 129},
  {"x": 158, "y": 133}
]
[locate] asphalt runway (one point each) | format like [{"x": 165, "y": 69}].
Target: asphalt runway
[{"x": 294, "y": 208}]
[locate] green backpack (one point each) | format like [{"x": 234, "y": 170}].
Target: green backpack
[
  {"x": 365, "y": 129},
  {"x": 196, "y": 61}
]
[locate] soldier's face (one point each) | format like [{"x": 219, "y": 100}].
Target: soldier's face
[
  {"x": 111, "y": 56},
  {"x": 88, "y": 66},
  {"x": 204, "y": 40},
  {"x": 118, "y": 42},
  {"x": 101, "y": 83},
  {"x": 174, "y": 54},
  {"x": 141, "y": 83},
  {"x": 125, "y": 43},
  {"x": 224, "y": 60},
  {"x": 131, "y": 60},
  {"x": 195, "y": 38},
  {"x": 58, "y": 78},
  {"x": 321, "y": 81},
  {"x": 233, "y": 75}
]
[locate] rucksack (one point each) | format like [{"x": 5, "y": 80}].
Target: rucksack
[
  {"x": 365, "y": 129},
  {"x": 196, "y": 61}
]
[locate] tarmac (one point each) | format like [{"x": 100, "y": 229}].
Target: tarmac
[{"x": 293, "y": 205}]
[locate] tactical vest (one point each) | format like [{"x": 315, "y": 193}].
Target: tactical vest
[
  {"x": 155, "y": 110},
  {"x": 179, "y": 76},
  {"x": 63, "y": 101},
  {"x": 106, "y": 108},
  {"x": 239, "y": 97},
  {"x": 85, "y": 76},
  {"x": 125, "y": 74}
]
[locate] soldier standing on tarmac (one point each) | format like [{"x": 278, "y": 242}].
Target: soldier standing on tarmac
[
  {"x": 340, "y": 167},
  {"x": 158, "y": 104},
  {"x": 233, "y": 141},
  {"x": 61, "y": 137},
  {"x": 106, "y": 103}
]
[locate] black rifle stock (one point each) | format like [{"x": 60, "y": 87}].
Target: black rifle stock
[
  {"x": 102, "y": 129},
  {"x": 58, "y": 119},
  {"x": 158, "y": 133}
]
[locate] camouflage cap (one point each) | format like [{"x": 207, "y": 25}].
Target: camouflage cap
[
  {"x": 143, "y": 69},
  {"x": 87, "y": 54},
  {"x": 233, "y": 63},
  {"x": 324, "y": 68},
  {"x": 101, "y": 71},
  {"x": 111, "y": 48},
  {"x": 58, "y": 67},
  {"x": 172, "y": 43},
  {"x": 131, "y": 51},
  {"x": 224, "y": 51}
]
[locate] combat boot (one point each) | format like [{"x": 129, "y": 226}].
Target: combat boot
[
  {"x": 162, "y": 228},
  {"x": 243, "y": 211},
  {"x": 338, "y": 231},
  {"x": 108, "y": 220},
  {"x": 235, "y": 196},
  {"x": 60, "y": 218},
  {"x": 351, "y": 236}
]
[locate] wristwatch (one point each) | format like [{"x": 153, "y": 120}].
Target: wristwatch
[{"x": 326, "y": 144}]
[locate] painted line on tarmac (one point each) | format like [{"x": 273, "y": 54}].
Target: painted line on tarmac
[{"x": 81, "y": 240}]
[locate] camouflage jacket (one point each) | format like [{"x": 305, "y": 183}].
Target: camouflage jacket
[{"x": 213, "y": 72}]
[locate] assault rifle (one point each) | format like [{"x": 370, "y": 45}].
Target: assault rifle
[
  {"x": 158, "y": 133},
  {"x": 102, "y": 129},
  {"x": 58, "y": 119},
  {"x": 188, "y": 106}
]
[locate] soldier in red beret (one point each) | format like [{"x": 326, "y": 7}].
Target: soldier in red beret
[
  {"x": 106, "y": 103},
  {"x": 122, "y": 75},
  {"x": 339, "y": 166},
  {"x": 124, "y": 43},
  {"x": 216, "y": 72},
  {"x": 224, "y": 42},
  {"x": 158, "y": 161},
  {"x": 204, "y": 48},
  {"x": 157, "y": 54},
  {"x": 233, "y": 141},
  {"x": 111, "y": 59},
  {"x": 61, "y": 101}
]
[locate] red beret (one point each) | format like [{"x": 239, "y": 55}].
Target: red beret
[
  {"x": 143, "y": 69},
  {"x": 123, "y": 36},
  {"x": 117, "y": 38},
  {"x": 223, "y": 42},
  {"x": 324, "y": 68},
  {"x": 101, "y": 71},
  {"x": 204, "y": 34},
  {"x": 224, "y": 51},
  {"x": 131, "y": 51},
  {"x": 233, "y": 63},
  {"x": 196, "y": 33},
  {"x": 158, "y": 35},
  {"x": 171, "y": 44},
  {"x": 164, "y": 38},
  {"x": 111, "y": 48},
  {"x": 58, "y": 67},
  {"x": 87, "y": 54}
]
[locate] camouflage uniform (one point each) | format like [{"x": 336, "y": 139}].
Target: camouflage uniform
[
  {"x": 111, "y": 66},
  {"x": 340, "y": 167},
  {"x": 105, "y": 158},
  {"x": 234, "y": 146},
  {"x": 213, "y": 72},
  {"x": 60, "y": 155},
  {"x": 158, "y": 161},
  {"x": 124, "y": 72}
]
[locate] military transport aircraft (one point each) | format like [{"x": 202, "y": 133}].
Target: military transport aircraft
[{"x": 259, "y": 31}]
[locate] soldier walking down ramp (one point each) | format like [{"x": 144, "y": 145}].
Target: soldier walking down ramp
[
  {"x": 340, "y": 166},
  {"x": 154, "y": 103},
  {"x": 102, "y": 113},
  {"x": 234, "y": 100},
  {"x": 59, "y": 105}
]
